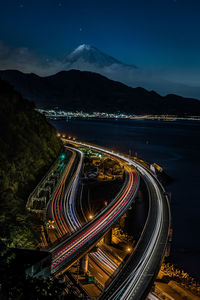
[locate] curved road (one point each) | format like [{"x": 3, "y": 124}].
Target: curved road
[
  {"x": 60, "y": 202},
  {"x": 136, "y": 276},
  {"x": 69, "y": 250}
]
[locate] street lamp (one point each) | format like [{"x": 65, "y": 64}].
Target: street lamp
[
  {"x": 91, "y": 217},
  {"x": 129, "y": 249}
]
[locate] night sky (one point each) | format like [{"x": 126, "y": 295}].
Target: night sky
[{"x": 153, "y": 34}]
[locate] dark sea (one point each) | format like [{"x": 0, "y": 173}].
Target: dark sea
[{"x": 173, "y": 145}]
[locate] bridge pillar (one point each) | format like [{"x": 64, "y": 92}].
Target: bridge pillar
[
  {"x": 84, "y": 264},
  {"x": 108, "y": 237}
]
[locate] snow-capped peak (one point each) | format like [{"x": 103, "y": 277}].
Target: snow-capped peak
[
  {"x": 82, "y": 48},
  {"x": 86, "y": 54}
]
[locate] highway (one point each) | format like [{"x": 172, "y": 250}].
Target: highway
[
  {"x": 63, "y": 210},
  {"x": 102, "y": 265},
  {"x": 60, "y": 203},
  {"x": 71, "y": 249},
  {"x": 70, "y": 203},
  {"x": 135, "y": 277},
  {"x": 101, "y": 259}
]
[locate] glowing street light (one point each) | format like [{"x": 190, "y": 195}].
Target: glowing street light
[
  {"x": 58, "y": 134},
  {"x": 91, "y": 217},
  {"x": 129, "y": 249}
]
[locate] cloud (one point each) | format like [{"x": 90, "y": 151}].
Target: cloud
[
  {"x": 23, "y": 59},
  {"x": 158, "y": 81}
]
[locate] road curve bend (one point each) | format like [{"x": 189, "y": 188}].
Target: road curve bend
[{"x": 136, "y": 276}]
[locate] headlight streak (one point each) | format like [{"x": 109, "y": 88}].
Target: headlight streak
[
  {"x": 73, "y": 223},
  {"x": 69, "y": 200},
  {"x": 56, "y": 203},
  {"x": 99, "y": 225},
  {"x": 129, "y": 287},
  {"x": 134, "y": 278},
  {"x": 108, "y": 219}
]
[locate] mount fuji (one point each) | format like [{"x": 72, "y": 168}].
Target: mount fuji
[{"x": 86, "y": 56}]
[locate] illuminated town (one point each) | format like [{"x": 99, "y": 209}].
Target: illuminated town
[{"x": 61, "y": 114}]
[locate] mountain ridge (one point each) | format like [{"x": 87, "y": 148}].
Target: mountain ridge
[
  {"x": 90, "y": 58},
  {"x": 81, "y": 90}
]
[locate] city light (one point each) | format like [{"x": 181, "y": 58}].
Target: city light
[{"x": 61, "y": 114}]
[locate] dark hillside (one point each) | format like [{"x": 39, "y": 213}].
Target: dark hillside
[
  {"x": 86, "y": 91},
  {"x": 28, "y": 146}
]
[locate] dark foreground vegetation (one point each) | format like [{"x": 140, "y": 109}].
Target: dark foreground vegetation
[
  {"x": 28, "y": 146},
  {"x": 16, "y": 285}
]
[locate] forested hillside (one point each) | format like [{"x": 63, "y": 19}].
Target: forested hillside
[{"x": 28, "y": 146}]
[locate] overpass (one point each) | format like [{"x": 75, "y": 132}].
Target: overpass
[
  {"x": 82, "y": 240},
  {"x": 135, "y": 277}
]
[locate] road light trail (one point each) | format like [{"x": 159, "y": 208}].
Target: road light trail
[
  {"x": 70, "y": 209},
  {"x": 100, "y": 258},
  {"x": 135, "y": 277},
  {"x": 56, "y": 208},
  {"x": 90, "y": 233},
  {"x": 142, "y": 269}
]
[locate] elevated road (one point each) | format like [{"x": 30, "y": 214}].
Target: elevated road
[
  {"x": 102, "y": 264},
  {"x": 81, "y": 241},
  {"x": 135, "y": 277}
]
